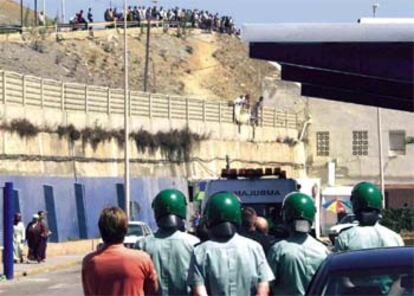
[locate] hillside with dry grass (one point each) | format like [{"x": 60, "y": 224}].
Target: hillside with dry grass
[
  {"x": 10, "y": 13},
  {"x": 199, "y": 64}
]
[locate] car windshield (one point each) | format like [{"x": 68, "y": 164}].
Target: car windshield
[
  {"x": 135, "y": 230},
  {"x": 347, "y": 219},
  {"x": 390, "y": 281}
]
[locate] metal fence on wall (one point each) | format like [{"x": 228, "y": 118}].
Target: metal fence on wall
[{"x": 28, "y": 90}]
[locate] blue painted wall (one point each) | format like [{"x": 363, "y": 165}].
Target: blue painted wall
[{"x": 99, "y": 193}]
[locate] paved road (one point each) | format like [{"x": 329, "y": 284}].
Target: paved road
[{"x": 59, "y": 283}]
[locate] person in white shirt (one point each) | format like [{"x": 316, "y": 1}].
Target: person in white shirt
[
  {"x": 237, "y": 106},
  {"x": 19, "y": 237}
]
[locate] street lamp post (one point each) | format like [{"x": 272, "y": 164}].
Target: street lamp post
[
  {"x": 380, "y": 155},
  {"x": 126, "y": 114}
]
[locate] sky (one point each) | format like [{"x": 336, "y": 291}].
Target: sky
[{"x": 255, "y": 11}]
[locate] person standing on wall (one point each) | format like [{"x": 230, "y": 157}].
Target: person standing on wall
[
  {"x": 115, "y": 269},
  {"x": 19, "y": 237},
  {"x": 170, "y": 248},
  {"x": 366, "y": 201},
  {"x": 228, "y": 263}
]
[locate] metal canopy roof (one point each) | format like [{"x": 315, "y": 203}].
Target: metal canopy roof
[{"x": 370, "y": 64}]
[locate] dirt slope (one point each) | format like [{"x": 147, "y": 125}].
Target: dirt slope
[
  {"x": 10, "y": 13},
  {"x": 200, "y": 65}
]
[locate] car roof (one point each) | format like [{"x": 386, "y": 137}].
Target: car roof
[
  {"x": 136, "y": 223},
  {"x": 372, "y": 258}
]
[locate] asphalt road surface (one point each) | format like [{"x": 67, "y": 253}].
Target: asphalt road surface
[{"x": 64, "y": 282}]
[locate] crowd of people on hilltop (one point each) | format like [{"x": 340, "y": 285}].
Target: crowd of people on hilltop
[
  {"x": 202, "y": 19},
  {"x": 79, "y": 20},
  {"x": 172, "y": 17}
]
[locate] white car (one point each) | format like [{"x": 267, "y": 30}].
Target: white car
[
  {"x": 137, "y": 231},
  {"x": 345, "y": 223}
]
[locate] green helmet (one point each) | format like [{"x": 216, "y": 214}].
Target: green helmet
[
  {"x": 298, "y": 206},
  {"x": 366, "y": 196},
  {"x": 170, "y": 201},
  {"x": 223, "y": 207}
]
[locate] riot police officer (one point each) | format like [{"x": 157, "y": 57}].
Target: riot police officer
[
  {"x": 170, "y": 248},
  {"x": 294, "y": 260},
  {"x": 227, "y": 263},
  {"x": 366, "y": 201}
]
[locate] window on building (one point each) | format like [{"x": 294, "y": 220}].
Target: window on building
[
  {"x": 322, "y": 143},
  {"x": 360, "y": 143},
  {"x": 397, "y": 142}
]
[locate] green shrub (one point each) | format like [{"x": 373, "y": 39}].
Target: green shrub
[
  {"x": 398, "y": 219},
  {"x": 23, "y": 128},
  {"x": 175, "y": 145},
  {"x": 68, "y": 131}
]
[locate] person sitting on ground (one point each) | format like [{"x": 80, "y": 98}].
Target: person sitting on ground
[
  {"x": 114, "y": 269},
  {"x": 109, "y": 15},
  {"x": 81, "y": 19}
]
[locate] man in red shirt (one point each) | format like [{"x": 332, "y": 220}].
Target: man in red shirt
[{"x": 114, "y": 269}]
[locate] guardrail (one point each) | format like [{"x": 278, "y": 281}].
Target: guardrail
[
  {"x": 28, "y": 90},
  {"x": 96, "y": 26}
]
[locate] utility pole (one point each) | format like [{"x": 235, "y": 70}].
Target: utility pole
[
  {"x": 63, "y": 12},
  {"x": 380, "y": 155},
  {"x": 44, "y": 10},
  {"x": 35, "y": 14},
  {"x": 126, "y": 113},
  {"x": 147, "y": 48},
  {"x": 21, "y": 15}
]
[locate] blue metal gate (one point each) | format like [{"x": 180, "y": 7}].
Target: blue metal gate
[
  {"x": 80, "y": 210},
  {"x": 51, "y": 212}
]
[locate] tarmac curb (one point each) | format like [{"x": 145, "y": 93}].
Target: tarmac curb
[{"x": 44, "y": 269}]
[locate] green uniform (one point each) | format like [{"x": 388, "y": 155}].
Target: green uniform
[
  {"x": 171, "y": 254},
  {"x": 294, "y": 261},
  {"x": 234, "y": 267},
  {"x": 367, "y": 237}
]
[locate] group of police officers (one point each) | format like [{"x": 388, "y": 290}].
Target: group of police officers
[{"x": 230, "y": 264}]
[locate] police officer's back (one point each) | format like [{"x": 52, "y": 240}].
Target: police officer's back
[
  {"x": 228, "y": 264},
  {"x": 170, "y": 248},
  {"x": 295, "y": 260},
  {"x": 366, "y": 201}
]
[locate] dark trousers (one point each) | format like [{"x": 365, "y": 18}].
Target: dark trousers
[
  {"x": 34, "y": 247},
  {"x": 41, "y": 250}
]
